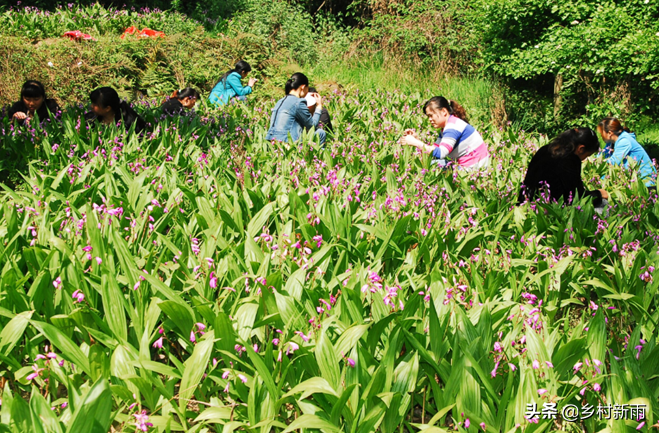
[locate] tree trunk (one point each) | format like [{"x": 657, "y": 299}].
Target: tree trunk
[{"x": 558, "y": 99}]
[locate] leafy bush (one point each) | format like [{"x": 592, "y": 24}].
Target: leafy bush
[
  {"x": 202, "y": 277},
  {"x": 34, "y": 23}
]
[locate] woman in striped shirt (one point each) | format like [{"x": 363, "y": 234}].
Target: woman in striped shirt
[{"x": 457, "y": 141}]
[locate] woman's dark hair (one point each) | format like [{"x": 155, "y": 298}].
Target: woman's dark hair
[
  {"x": 297, "y": 79},
  {"x": 188, "y": 92},
  {"x": 611, "y": 124},
  {"x": 439, "y": 102},
  {"x": 567, "y": 142},
  {"x": 241, "y": 66},
  {"x": 106, "y": 97},
  {"x": 33, "y": 89}
]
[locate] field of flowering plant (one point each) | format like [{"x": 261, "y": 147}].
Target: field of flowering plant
[{"x": 201, "y": 279}]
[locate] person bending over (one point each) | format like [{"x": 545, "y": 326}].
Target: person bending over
[
  {"x": 325, "y": 121},
  {"x": 291, "y": 113},
  {"x": 557, "y": 166},
  {"x": 181, "y": 100},
  {"x": 458, "y": 141},
  {"x": 108, "y": 109},
  {"x": 230, "y": 85},
  {"x": 33, "y": 102},
  {"x": 622, "y": 148}
]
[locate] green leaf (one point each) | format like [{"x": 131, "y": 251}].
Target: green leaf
[
  {"x": 113, "y": 304},
  {"x": 327, "y": 359},
  {"x": 14, "y": 331},
  {"x": 312, "y": 386},
  {"x": 308, "y": 421},
  {"x": 94, "y": 414},
  {"x": 68, "y": 349},
  {"x": 195, "y": 367},
  {"x": 349, "y": 338}
]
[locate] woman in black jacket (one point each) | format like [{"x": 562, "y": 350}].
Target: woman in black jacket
[
  {"x": 33, "y": 102},
  {"x": 557, "y": 166},
  {"x": 108, "y": 109},
  {"x": 181, "y": 100}
]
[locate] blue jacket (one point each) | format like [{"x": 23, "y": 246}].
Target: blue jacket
[
  {"x": 291, "y": 114},
  {"x": 625, "y": 150},
  {"x": 227, "y": 89}
]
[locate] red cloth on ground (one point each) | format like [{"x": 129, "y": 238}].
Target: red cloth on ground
[
  {"x": 144, "y": 33},
  {"x": 76, "y": 35}
]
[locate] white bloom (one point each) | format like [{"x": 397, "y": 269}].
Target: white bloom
[
  {"x": 537, "y": 46},
  {"x": 574, "y": 23},
  {"x": 646, "y": 1},
  {"x": 50, "y": 64}
]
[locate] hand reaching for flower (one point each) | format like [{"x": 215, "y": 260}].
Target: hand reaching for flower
[
  {"x": 411, "y": 132},
  {"x": 410, "y": 138},
  {"x": 19, "y": 115}
]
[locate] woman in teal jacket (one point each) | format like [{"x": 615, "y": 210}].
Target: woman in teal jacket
[
  {"x": 622, "y": 148},
  {"x": 230, "y": 85}
]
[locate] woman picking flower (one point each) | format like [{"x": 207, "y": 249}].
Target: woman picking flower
[{"x": 458, "y": 140}]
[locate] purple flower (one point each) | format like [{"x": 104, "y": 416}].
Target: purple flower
[
  {"x": 242, "y": 377},
  {"x": 483, "y": 426},
  {"x": 536, "y": 364},
  {"x": 57, "y": 283},
  {"x": 37, "y": 372},
  {"x": 141, "y": 421},
  {"x": 467, "y": 423},
  {"x": 78, "y": 296},
  {"x": 597, "y": 387},
  {"x": 494, "y": 372},
  {"x": 351, "y": 362},
  {"x": 158, "y": 343},
  {"x": 542, "y": 391},
  {"x": 292, "y": 347}
]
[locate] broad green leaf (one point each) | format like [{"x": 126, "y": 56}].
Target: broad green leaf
[
  {"x": 94, "y": 414},
  {"x": 195, "y": 367}
]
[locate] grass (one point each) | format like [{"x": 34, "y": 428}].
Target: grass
[{"x": 479, "y": 96}]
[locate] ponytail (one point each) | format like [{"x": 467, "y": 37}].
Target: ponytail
[
  {"x": 188, "y": 92},
  {"x": 611, "y": 124},
  {"x": 453, "y": 108},
  {"x": 567, "y": 142},
  {"x": 297, "y": 79}
]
